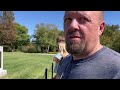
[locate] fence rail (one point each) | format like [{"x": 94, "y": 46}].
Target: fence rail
[{"x": 46, "y": 72}]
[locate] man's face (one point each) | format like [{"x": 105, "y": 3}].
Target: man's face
[{"x": 81, "y": 30}]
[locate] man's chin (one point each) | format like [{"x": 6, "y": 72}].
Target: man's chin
[
  {"x": 75, "y": 51},
  {"x": 75, "y": 39}
]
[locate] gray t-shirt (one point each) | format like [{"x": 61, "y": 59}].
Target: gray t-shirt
[{"x": 104, "y": 64}]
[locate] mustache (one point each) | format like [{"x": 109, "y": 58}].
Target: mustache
[{"x": 75, "y": 33}]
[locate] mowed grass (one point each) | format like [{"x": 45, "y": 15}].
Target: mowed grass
[{"x": 26, "y": 65}]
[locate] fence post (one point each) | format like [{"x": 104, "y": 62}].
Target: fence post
[
  {"x": 52, "y": 72},
  {"x": 46, "y": 73}
]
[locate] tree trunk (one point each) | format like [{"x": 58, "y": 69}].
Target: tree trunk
[{"x": 48, "y": 48}]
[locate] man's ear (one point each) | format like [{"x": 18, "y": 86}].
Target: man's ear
[{"x": 101, "y": 28}]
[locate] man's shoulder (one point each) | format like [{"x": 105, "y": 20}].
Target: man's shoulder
[
  {"x": 111, "y": 56},
  {"x": 112, "y": 53}
]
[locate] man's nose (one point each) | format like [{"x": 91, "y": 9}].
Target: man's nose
[{"x": 74, "y": 24}]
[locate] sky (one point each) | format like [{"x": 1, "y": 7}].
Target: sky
[{"x": 29, "y": 19}]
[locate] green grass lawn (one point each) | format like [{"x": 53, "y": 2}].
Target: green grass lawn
[{"x": 26, "y": 65}]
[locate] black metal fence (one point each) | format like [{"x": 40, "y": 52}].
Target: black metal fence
[{"x": 48, "y": 70}]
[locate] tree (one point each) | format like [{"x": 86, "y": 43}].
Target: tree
[
  {"x": 111, "y": 37},
  {"x": 7, "y": 33},
  {"x": 45, "y": 36},
  {"x": 22, "y": 37},
  {"x": 61, "y": 33}
]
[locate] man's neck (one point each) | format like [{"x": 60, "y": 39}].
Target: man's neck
[{"x": 87, "y": 53}]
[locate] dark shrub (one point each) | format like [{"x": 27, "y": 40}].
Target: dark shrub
[{"x": 29, "y": 49}]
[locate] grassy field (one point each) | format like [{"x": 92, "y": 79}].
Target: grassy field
[{"x": 26, "y": 65}]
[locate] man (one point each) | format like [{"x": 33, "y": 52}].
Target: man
[{"x": 88, "y": 59}]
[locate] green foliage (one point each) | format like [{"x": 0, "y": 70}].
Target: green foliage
[
  {"x": 29, "y": 49},
  {"x": 22, "y": 35},
  {"x": 45, "y": 36},
  {"x": 61, "y": 33},
  {"x": 116, "y": 42},
  {"x": 111, "y": 37},
  {"x": 12, "y": 35}
]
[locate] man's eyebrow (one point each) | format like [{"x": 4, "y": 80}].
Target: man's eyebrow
[
  {"x": 83, "y": 14},
  {"x": 79, "y": 15}
]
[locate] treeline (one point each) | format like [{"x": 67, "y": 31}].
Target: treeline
[
  {"x": 111, "y": 37},
  {"x": 44, "y": 38},
  {"x": 14, "y": 37}
]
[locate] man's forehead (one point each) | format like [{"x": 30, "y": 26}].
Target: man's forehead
[{"x": 80, "y": 12}]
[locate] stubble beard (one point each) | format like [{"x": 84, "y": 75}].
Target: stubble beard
[{"x": 75, "y": 47}]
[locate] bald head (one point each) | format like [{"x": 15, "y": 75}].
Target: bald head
[
  {"x": 98, "y": 14},
  {"x": 101, "y": 15}
]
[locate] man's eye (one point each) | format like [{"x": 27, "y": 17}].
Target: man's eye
[
  {"x": 83, "y": 20},
  {"x": 67, "y": 20}
]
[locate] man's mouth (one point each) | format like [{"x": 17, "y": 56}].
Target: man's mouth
[{"x": 74, "y": 36}]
